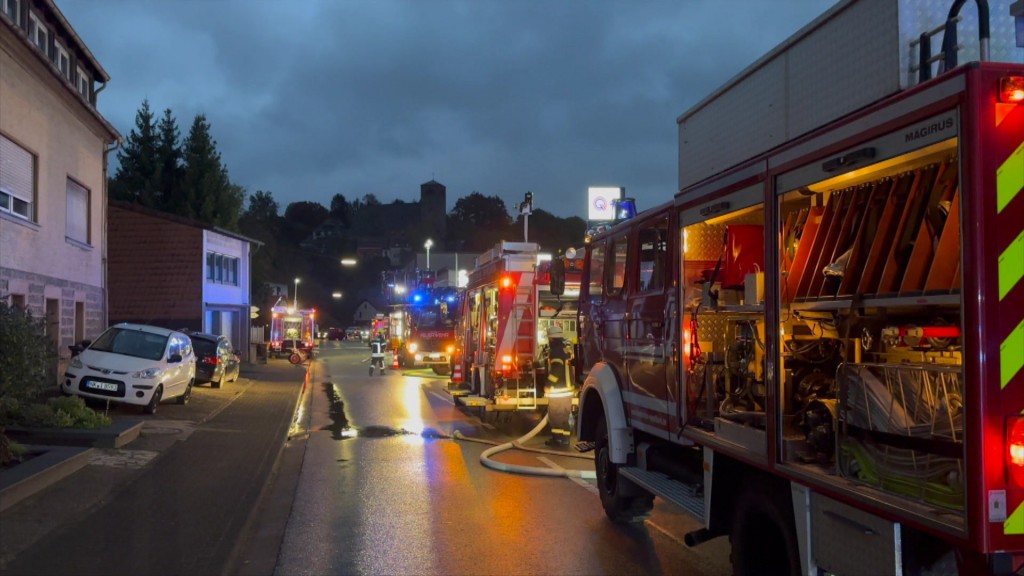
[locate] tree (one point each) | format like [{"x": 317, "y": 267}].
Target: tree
[
  {"x": 477, "y": 222},
  {"x": 262, "y": 207},
  {"x": 207, "y": 191},
  {"x": 301, "y": 218},
  {"x": 137, "y": 179},
  {"x": 168, "y": 161},
  {"x": 553, "y": 233},
  {"x": 341, "y": 209}
]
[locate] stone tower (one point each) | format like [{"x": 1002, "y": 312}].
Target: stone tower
[{"x": 434, "y": 209}]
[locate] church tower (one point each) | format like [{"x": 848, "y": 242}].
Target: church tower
[{"x": 433, "y": 209}]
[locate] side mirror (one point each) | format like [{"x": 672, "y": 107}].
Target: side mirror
[
  {"x": 557, "y": 276},
  {"x": 175, "y": 358}
]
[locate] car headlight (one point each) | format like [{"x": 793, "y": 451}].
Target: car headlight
[
  {"x": 412, "y": 347},
  {"x": 76, "y": 362},
  {"x": 147, "y": 373}
]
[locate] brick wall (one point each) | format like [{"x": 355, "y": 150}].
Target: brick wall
[{"x": 155, "y": 270}]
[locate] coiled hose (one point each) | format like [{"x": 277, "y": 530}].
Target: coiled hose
[{"x": 486, "y": 460}]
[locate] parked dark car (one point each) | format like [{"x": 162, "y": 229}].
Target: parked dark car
[
  {"x": 216, "y": 361},
  {"x": 335, "y": 334}
]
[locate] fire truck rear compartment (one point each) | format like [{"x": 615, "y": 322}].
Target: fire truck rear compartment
[{"x": 869, "y": 355}]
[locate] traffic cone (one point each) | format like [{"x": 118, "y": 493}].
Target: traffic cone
[
  {"x": 394, "y": 361},
  {"x": 457, "y": 373}
]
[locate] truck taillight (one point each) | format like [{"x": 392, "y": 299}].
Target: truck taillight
[
  {"x": 506, "y": 283},
  {"x": 1011, "y": 89},
  {"x": 1015, "y": 450},
  {"x": 506, "y": 363}
]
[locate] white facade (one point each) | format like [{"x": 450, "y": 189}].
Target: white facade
[
  {"x": 53, "y": 147},
  {"x": 226, "y": 279}
]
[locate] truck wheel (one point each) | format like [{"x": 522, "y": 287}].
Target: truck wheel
[
  {"x": 624, "y": 502},
  {"x": 441, "y": 370},
  {"x": 763, "y": 536}
]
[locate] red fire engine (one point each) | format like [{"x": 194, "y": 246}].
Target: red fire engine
[
  {"x": 817, "y": 348},
  {"x": 507, "y": 310},
  {"x": 290, "y": 329}
]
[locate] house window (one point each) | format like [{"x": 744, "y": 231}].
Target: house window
[
  {"x": 11, "y": 8},
  {"x": 17, "y": 179},
  {"x": 78, "y": 212},
  {"x": 62, "y": 60},
  {"x": 222, "y": 269},
  {"x": 83, "y": 82},
  {"x": 38, "y": 32}
]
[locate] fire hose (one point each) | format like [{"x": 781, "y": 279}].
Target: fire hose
[{"x": 486, "y": 460}]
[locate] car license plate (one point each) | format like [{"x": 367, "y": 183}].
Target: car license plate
[
  {"x": 101, "y": 386},
  {"x": 435, "y": 356}
]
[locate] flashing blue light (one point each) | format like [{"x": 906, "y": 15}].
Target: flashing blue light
[
  {"x": 450, "y": 298},
  {"x": 417, "y": 297}
]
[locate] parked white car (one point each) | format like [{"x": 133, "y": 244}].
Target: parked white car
[{"x": 134, "y": 364}]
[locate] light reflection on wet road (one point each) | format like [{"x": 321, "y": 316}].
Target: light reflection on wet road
[{"x": 380, "y": 493}]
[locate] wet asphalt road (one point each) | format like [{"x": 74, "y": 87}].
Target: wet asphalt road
[{"x": 375, "y": 496}]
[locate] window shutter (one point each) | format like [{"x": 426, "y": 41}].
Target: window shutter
[
  {"x": 78, "y": 212},
  {"x": 17, "y": 170}
]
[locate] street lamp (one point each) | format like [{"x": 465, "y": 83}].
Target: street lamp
[
  {"x": 427, "y": 246},
  {"x": 348, "y": 261},
  {"x": 295, "y": 302}
]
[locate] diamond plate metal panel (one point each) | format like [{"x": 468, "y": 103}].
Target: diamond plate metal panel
[{"x": 847, "y": 540}]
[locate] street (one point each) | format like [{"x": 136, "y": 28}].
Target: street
[
  {"x": 377, "y": 495},
  {"x": 340, "y": 474}
]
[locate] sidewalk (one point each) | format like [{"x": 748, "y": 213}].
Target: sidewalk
[{"x": 146, "y": 508}]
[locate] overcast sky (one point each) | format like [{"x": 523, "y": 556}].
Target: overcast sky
[{"x": 309, "y": 98}]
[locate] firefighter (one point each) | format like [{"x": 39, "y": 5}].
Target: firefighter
[
  {"x": 377, "y": 349},
  {"x": 558, "y": 390},
  {"x": 559, "y": 354}
]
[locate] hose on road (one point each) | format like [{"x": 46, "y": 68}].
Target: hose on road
[{"x": 486, "y": 460}]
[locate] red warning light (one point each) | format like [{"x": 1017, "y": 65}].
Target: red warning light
[{"x": 1011, "y": 89}]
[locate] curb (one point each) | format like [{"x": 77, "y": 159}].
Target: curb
[
  {"x": 116, "y": 435},
  {"x": 50, "y": 465}
]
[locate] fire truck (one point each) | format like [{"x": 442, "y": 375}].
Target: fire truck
[
  {"x": 503, "y": 325},
  {"x": 425, "y": 334},
  {"x": 292, "y": 328},
  {"x": 816, "y": 348}
]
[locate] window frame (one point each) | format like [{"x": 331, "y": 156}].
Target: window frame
[
  {"x": 60, "y": 51},
  {"x": 12, "y": 196},
  {"x": 83, "y": 82},
  {"x": 660, "y": 259},
  {"x": 222, "y": 268},
  {"x": 36, "y": 28},
  {"x": 73, "y": 186},
  {"x": 611, "y": 288},
  {"x": 16, "y": 16}
]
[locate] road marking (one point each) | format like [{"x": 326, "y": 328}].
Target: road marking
[{"x": 580, "y": 481}]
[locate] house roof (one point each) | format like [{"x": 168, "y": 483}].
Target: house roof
[{"x": 131, "y": 207}]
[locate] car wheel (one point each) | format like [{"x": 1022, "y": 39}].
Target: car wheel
[
  {"x": 158, "y": 394},
  {"x": 216, "y": 383},
  {"x": 187, "y": 395}
]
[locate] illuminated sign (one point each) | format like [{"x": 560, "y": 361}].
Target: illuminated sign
[{"x": 601, "y": 202}]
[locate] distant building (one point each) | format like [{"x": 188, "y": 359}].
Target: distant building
[
  {"x": 175, "y": 272},
  {"x": 366, "y": 312},
  {"x": 53, "y": 159}
]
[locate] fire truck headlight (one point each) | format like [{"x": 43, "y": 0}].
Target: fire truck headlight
[{"x": 413, "y": 347}]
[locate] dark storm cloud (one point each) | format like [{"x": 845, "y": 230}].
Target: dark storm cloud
[{"x": 310, "y": 98}]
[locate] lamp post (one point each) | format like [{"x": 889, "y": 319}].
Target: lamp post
[
  {"x": 295, "y": 301},
  {"x": 428, "y": 244}
]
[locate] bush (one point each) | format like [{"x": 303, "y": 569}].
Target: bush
[
  {"x": 27, "y": 357},
  {"x": 63, "y": 412},
  {"x": 27, "y": 364}
]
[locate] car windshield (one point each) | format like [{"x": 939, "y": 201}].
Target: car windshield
[
  {"x": 204, "y": 347},
  {"x": 131, "y": 343}
]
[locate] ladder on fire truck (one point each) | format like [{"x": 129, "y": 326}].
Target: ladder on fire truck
[{"x": 523, "y": 318}]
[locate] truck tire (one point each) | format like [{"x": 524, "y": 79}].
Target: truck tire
[
  {"x": 624, "y": 502},
  {"x": 441, "y": 370},
  {"x": 763, "y": 536}
]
